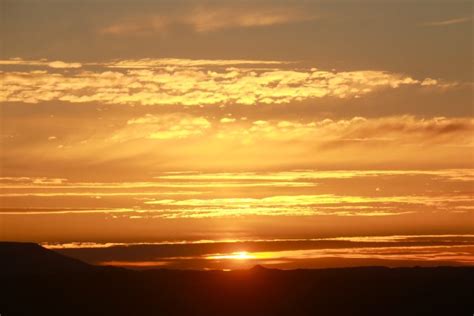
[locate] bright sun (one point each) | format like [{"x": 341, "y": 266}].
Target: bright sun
[{"x": 240, "y": 255}]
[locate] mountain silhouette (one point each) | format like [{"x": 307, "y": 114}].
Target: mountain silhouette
[
  {"x": 37, "y": 281},
  {"x": 30, "y": 258}
]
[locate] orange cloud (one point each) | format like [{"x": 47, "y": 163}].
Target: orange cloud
[
  {"x": 276, "y": 205},
  {"x": 208, "y": 19},
  {"x": 193, "y": 82},
  {"x": 184, "y": 62},
  {"x": 162, "y": 127},
  {"x": 301, "y": 175},
  {"x": 325, "y": 132},
  {"x": 307, "y": 205},
  {"x": 406, "y": 129},
  {"x": 42, "y": 62}
]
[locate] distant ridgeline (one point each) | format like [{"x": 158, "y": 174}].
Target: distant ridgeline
[{"x": 37, "y": 281}]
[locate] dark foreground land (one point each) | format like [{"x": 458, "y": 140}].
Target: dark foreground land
[{"x": 36, "y": 281}]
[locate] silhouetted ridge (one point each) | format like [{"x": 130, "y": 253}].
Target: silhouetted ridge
[
  {"x": 19, "y": 258},
  {"x": 259, "y": 268},
  {"x": 37, "y": 281}
]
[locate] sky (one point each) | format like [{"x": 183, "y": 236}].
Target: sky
[{"x": 191, "y": 123}]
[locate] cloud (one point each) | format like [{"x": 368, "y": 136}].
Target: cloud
[
  {"x": 306, "y": 205},
  {"x": 240, "y": 194},
  {"x": 449, "y": 22},
  {"x": 275, "y": 205},
  {"x": 65, "y": 211},
  {"x": 280, "y": 244},
  {"x": 208, "y": 19},
  {"x": 61, "y": 64},
  {"x": 184, "y": 62},
  {"x": 42, "y": 62},
  {"x": 357, "y": 130},
  {"x": 167, "y": 182},
  {"x": 173, "y": 126},
  {"x": 227, "y": 120},
  {"x": 305, "y": 175},
  {"x": 134, "y": 143},
  {"x": 165, "y": 187},
  {"x": 281, "y": 253},
  {"x": 194, "y": 82}
]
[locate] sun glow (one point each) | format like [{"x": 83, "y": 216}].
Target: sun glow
[{"x": 240, "y": 255}]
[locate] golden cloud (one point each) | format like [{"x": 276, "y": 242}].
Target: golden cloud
[
  {"x": 173, "y": 126},
  {"x": 400, "y": 129},
  {"x": 41, "y": 62},
  {"x": 208, "y": 19},
  {"x": 305, "y": 175},
  {"x": 161, "y": 142},
  {"x": 200, "y": 194},
  {"x": 193, "y": 82},
  {"x": 308, "y": 205},
  {"x": 406, "y": 129},
  {"x": 185, "y": 62}
]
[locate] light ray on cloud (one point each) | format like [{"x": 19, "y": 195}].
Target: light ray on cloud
[{"x": 406, "y": 129}]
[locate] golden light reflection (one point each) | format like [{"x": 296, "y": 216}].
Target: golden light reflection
[
  {"x": 394, "y": 255},
  {"x": 460, "y": 254},
  {"x": 133, "y": 264},
  {"x": 240, "y": 255}
]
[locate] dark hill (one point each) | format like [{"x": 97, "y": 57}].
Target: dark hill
[
  {"x": 30, "y": 258},
  {"x": 45, "y": 283}
]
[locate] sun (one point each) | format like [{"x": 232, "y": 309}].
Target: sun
[
  {"x": 239, "y": 255},
  {"x": 242, "y": 255}
]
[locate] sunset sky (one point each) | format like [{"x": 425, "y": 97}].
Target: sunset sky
[{"x": 290, "y": 124}]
